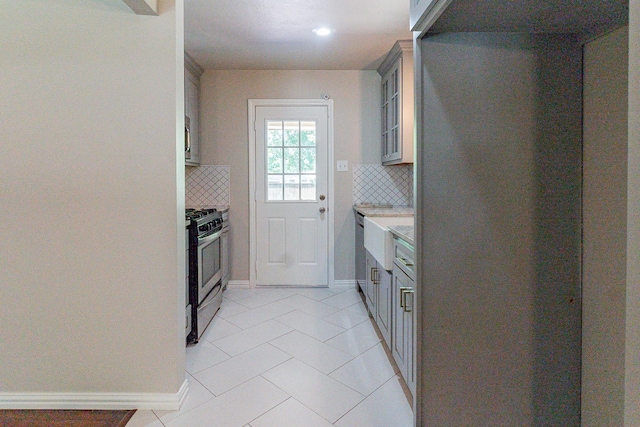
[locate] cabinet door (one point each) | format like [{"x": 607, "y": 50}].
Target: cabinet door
[
  {"x": 400, "y": 343},
  {"x": 192, "y": 108},
  {"x": 392, "y": 113},
  {"x": 372, "y": 272},
  {"x": 397, "y": 115},
  {"x": 384, "y": 304},
  {"x": 409, "y": 350},
  {"x": 385, "y": 116}
]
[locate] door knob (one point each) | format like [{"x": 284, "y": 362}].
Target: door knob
[{"x": 322, "y": 210}]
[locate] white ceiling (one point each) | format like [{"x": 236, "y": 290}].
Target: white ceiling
[{"x": 277, "y": 34}]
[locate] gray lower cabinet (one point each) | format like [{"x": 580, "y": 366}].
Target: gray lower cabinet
[
  {"x": 403, "y": 313},
  {"x": 378, "y": 293},
  {"x": 402, "y": 320},
  {"x": 389, "y": 299},
  {"x": 383, "y": 318},
  {"x": 370, "y": 285}
]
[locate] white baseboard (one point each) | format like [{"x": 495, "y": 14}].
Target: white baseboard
[
  {"x": 105, "y": 401},
  {"x": 238, "y": 284},
  {"x": 343, "y": 284},
  {"x": 336, "y": 284}
]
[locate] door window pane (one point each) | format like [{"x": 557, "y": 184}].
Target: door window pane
[
  {"x": 274, "y": 161},
  {"x": 307, "y": 187},
  {"x": 292, "y": 133},
  {"x": 274, "y": 133},
  {"x": 291, "y": 160},
  {"x": 275, "y": 191},
  {"x": 292, "y": 187},
  {"x": 308, "y": 133},
  {"x": 308, "y": 160}
]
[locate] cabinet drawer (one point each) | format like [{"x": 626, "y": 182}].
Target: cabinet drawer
[{"x": 404, "y": 257}]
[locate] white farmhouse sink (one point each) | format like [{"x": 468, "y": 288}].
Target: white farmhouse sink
[{"x": 378, "y": 240}]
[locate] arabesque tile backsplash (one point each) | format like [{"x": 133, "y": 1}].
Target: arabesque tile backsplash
[
  {"x": 379, "y": 184},
  {"x": 207, "y": 185}
]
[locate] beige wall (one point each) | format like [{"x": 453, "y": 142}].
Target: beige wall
[
  {"x": 224, "y": 141},
  {"x": 89, "y": 170},
  {"x": 604, "y": 229}
]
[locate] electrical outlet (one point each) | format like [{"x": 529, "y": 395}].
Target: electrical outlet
[{"x": 342, "y": 166}]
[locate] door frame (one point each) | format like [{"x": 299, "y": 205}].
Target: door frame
[{"x": 253, "y": 232}]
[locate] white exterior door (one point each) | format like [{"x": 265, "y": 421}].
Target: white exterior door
[{"x": 291, "y": 183}]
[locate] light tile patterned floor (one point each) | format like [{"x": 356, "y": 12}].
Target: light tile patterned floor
[{"x": 288, "y": 357}]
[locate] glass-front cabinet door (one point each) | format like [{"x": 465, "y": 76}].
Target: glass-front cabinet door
[
  {"x": 396, "y": 72},
  {"x": 391, "y": 101}
]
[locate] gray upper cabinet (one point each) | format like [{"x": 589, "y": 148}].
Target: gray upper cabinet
[
  {"x": 397, "y": 104},
  {"x": 192, "y": 73}
]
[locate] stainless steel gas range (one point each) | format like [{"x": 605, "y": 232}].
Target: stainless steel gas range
[{"x": 208, "y": 260}]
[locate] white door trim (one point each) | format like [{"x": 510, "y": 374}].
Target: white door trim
[{"x": 252, "y": 104}]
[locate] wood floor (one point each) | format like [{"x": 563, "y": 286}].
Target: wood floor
[{"x": 64, "y": 418}]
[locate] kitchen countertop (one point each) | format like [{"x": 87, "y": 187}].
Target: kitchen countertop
[
  {"x": 383, "y": 210},
  {"x": 222, "y": 208},
  {"x": 404, "y": 232}
]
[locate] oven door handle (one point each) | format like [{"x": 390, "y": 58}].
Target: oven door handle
[
  {"x": 210, "y": 238},
  {"x": 210, "y": 298}
]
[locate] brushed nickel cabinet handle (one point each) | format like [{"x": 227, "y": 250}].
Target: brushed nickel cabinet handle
[
  {"x": 406, "y": 262},
  {"x": 187, "y": 141},
  {"x": 402, "y": 290},
  {"x": 375, "y": 276},
  {"x": 407, "y": 308}
]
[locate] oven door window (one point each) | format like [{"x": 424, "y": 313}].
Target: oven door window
[{"x": 210, "y": 261}]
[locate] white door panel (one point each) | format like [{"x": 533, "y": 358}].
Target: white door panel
[{"x": 290, "y": 176}]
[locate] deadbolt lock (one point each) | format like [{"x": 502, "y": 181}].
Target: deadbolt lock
[{"x": 322, "y": 197}]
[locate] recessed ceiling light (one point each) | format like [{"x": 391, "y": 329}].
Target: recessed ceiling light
[{"x": 323, "y": 31}]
